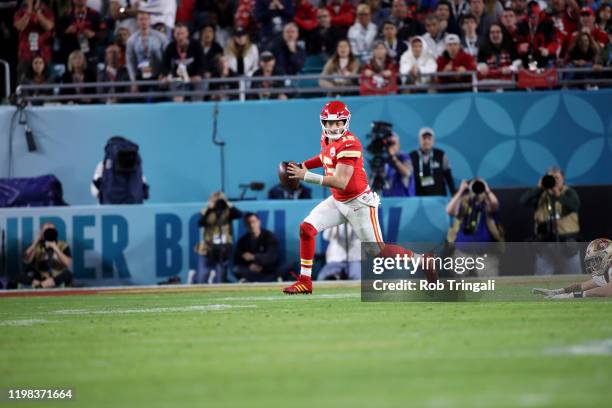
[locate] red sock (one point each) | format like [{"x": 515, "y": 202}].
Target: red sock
[{"x": 308, "y": 234}]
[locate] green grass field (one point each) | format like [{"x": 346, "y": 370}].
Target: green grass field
[{"x": 258, "y": 348}]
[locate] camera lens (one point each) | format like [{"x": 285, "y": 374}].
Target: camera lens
[
  {"x": 50, "y": 235},
  {"x": 478, "y": 187},
  {"x": 548, "y": 181}
]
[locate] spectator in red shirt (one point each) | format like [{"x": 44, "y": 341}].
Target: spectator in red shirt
[
  {"x": 305, "y": 17},
  {"x": 78, "y": 30},
  {"x": 537, "y": 38},
  {"x": 35, "y": 23},
  {"x": 497, "y": 57},
  {"x": 454, "y": 59},
  {"x": 565, "y": 18},
  {"x": 587, "y": 24},
  {"x": 342, "y": 14},
  {"x": 381, "y": 68}
]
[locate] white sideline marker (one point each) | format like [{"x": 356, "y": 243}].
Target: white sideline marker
[{"x": 592, "y": 348}]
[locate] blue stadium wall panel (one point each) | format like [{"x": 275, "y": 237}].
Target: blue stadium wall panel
[
  {"x": 508, "y": 138},
  {"x": 147, "y": 244}
]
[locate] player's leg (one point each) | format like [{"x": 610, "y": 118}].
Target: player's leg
[
  {"x": 602, "y": 291},
  {"x": 362, "y": 214},
  {"x": 324, "y": 215},
  {"x": 573, "y": 288}
]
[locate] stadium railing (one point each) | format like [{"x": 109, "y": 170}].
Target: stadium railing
[{"x": 293, "y": 85}]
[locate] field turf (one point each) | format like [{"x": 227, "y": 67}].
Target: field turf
[{"x": 258, "y": 348}]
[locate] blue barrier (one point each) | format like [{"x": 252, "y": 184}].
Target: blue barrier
[
  {"x": 508, "y": 138},
  {"x": 145, "y": 244}
]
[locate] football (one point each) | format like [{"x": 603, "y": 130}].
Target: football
[{"x": 283, "y": 176}]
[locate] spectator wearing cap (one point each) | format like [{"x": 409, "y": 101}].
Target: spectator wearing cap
[
  {"x": 144, "y": 51},
  {"x": 497, "y": 57},
  {"x": 323, "y": 39},
  {"x": 477, "y": 8},
  {"x": 430, "y": 166},
  {"x": 79, "y": 29},
  {"x": 587, "y": 24},
  {"x": 35, "y": 22},
  {"x": 183, "y": 61},
  {"x": 210, "y": 48},
  {"x": 289, "y": 54},
  {"x": 395, "y": 47},
  {"x": 454, "y": 59},
  {"x": 342, "y": 14},
  {"x": 448, "y": 23},
  {"x": 537, "y": 39},
  {"x": 417, "y": 62},
  {"x": 362, "y": 34},
  {"x": 272, "y": 16},
  {"x": 344, "y": 64},
  {"x": 263, "y": 83},
  {"x": 242, "y": 55},
  {"x": 407, "y": 26},
  {"x": 469, "y": 37},
  {"x": 434, "y": 37}
]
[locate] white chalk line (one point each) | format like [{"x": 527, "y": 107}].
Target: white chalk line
[
  {"x": 591, "y": 348},
  {"x": 194, "y": 308},
  {"x": 22, "y": 322}
]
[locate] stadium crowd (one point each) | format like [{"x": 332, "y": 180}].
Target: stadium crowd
[{"x": 384, "y": 41}]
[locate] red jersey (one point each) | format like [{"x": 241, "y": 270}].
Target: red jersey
[{"x": 346, "y": 150}]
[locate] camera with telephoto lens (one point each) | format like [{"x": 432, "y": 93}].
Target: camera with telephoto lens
[
  {"x": 220, "y": 205},
  {"x": 50, "y": 235},
  {"x": 477, "y": 186},
  {"x": 548, "y": 181},
  {"x": 380, "y": 137}
]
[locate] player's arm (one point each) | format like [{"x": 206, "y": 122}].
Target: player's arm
[
  {"x": 339, "y": 180},
  {"x": 313, "y": 163}
]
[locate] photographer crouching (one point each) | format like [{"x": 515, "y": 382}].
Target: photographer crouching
[
  {"x": 215, "y": 249},
  {"x": 48, "y": 260},
  {"x": 556, "y": 208},
  {"x": 475, "y": 207}
]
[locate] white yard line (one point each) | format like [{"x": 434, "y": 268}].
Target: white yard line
[
  {"x": 22, "y": 322},
  {"x": 194, "y": 308},
  {"x": 291, "y": 298},
  {"x": 592, "y": 348}
]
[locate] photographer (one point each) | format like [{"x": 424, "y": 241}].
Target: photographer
[
  {"x": 474, "y": 207},
  {"x": 555, "y": 220},
  {"x": 397, "y": 170},
  {"x": 48, "y": 260},
  {"x": 432, "y": 173},
  {"x": 215, "y": 249}
]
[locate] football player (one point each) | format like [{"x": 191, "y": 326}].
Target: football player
[
  {"x": 598, "y": 262},
  {"x": 351, "y": 201}
]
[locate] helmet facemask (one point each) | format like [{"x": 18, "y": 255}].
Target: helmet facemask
[{"x": 336, "y": 133}]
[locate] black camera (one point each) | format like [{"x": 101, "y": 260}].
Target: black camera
[
  {"x": 381, "y": 138},
  {"x": 477, "y": 187},
  {"x": 50, "y": 235},
  {"x": 548, "y": 182},
  {"x": 127, "y": 160},
  {"x": 221, "y": 205}
]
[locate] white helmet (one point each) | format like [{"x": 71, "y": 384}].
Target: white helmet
[{"x": 598, "y": 259}]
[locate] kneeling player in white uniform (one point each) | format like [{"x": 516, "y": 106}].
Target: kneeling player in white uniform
[
  {"x": 352, "y": 200},
  {"x": 598, "y": 262}
]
